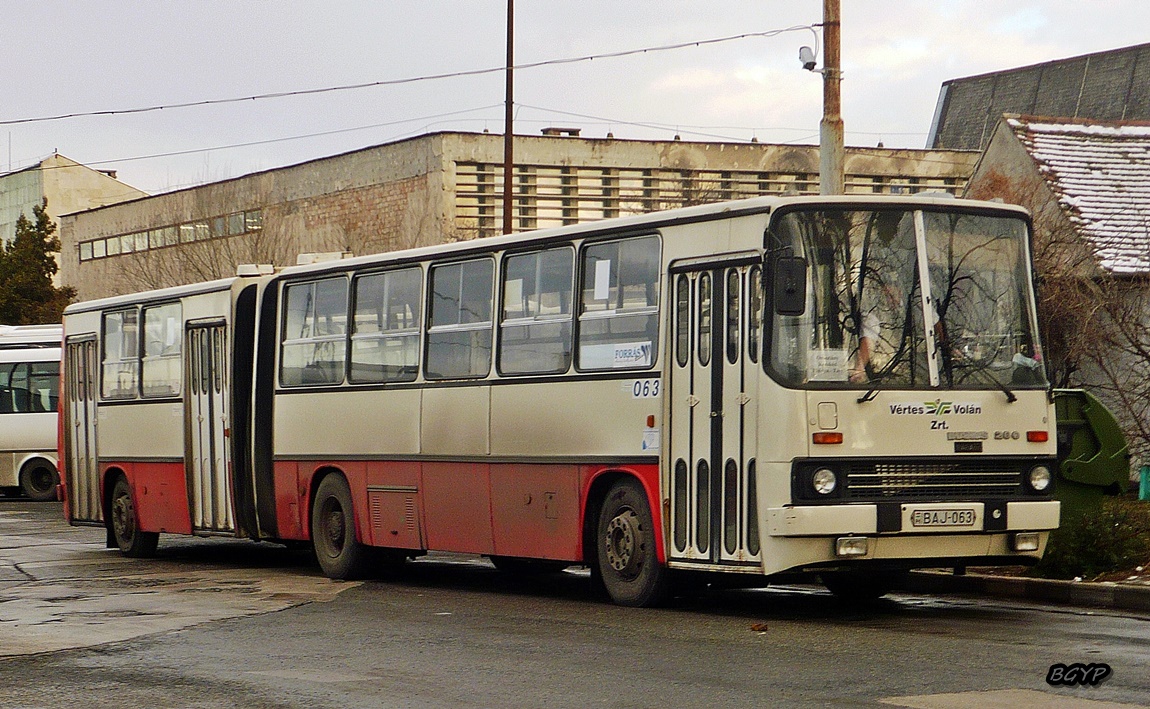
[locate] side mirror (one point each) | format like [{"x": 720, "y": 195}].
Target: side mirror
[{"x": 790, "y": 285}]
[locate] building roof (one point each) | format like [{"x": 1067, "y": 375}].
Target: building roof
[
  {"x": 1100, "y": 174},
  {"x": 1107, "y": 86}
]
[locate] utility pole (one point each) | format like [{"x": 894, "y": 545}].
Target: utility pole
[
  {"x": 508, "y": 135},
  {"x": 831, "y": 151}
]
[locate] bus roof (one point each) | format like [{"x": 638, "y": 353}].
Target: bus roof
[
  {"x": 30, "y": 336},
  {"x": 171, "y": 293},
  {"x": 651, "y": 221}
]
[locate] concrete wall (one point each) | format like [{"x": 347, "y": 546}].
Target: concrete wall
[{"x": 361, "y": 202}]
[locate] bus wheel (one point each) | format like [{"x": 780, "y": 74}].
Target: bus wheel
[
  {"x": 861, "y": 586},
  {"x": 38, "y": 481},
  {"x": 126, "y": 524},
  {"x": 333, "y": 531},
  {"x": 626, "y": 557}
]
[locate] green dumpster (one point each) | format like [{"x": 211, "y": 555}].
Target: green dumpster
[{"x": 1093, "y": 458}]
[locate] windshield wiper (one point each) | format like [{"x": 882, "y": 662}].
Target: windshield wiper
[
  {"x": 873, "y": 391},
  {"x": 988, "y": 378}
]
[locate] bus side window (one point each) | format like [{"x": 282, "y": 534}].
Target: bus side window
[
  {"x": 7, "y": 403},
  {"x": 160, "y": 369},
  {"x": 385, "y": 329},
  {"x": 619, "y": 308},
  {"x": 535, "y": 326},
  {"x": 44, "y": 386},
  {"x": 314, "y": 337},
  {"x": 460, "y": 319},
  {"x": 121, "y": 363}
]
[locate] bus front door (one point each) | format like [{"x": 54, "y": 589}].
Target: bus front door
[
  {"x": 713, "y": 435},
  {"x": 81, "y": 377},
  {"x": 207, "y": 458}
]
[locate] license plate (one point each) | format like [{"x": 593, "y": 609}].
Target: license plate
[{"x": 942, "y": 518}]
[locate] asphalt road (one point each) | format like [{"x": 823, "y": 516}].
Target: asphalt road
[{"x": 227, "y": 624}]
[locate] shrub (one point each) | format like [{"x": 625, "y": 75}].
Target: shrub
[{"x": 1114, "y": 537}]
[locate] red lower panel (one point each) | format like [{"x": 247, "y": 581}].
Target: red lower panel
[
  {"x": 457, "y": 507},
  {"x": 506, "y": 509},
  {"x": 535, "y": 510},
  {"x": 160, "y": 493}
]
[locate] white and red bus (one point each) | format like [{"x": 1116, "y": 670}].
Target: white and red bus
[
  {"x": 848, "y": 386},
  {"x": 29, "y": 389}
]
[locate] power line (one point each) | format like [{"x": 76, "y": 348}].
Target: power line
[
  {"x": 397, "y": 82},
  {"x": 294, "y": 137}
]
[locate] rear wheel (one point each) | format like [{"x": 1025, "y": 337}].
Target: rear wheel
[
  {"x": 126, "y": 524},
  {"x": 38, "y": 481},
  {"x": 626, "y": 556},
  {"x": 340, "y": 555}
]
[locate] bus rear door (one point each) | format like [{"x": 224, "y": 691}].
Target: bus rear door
[{"x": 208, "y": 452}]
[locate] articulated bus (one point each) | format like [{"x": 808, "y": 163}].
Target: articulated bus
[
  {"x": 29, "y": 388},
  {"x": 850, "y": 387}
]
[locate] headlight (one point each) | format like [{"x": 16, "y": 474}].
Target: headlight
[
  {"x": 1039, "y": 478},
  {"x": 824, "y": 481}
]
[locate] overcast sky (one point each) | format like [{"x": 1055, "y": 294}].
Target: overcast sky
[{"x": 67, "y": 56}]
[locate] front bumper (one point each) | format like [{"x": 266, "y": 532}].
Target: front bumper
[{"x": 912, "y": 518}]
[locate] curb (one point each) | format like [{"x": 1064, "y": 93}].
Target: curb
[{"x": 1109, "y": 595}]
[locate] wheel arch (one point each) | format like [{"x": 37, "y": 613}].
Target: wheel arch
[
  {"x": 33, "y": 459},
  {"x": 599, "y": 485},
  {"x": 31, "y": 463},
  {"x": 317, "y": 477}
]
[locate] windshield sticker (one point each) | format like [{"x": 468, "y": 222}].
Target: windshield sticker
[
  {"x": 633, "y": 354},
  {"x": 827, "y": 365}
]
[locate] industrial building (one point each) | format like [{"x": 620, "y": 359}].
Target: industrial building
[{"x": 445, "y": 187}]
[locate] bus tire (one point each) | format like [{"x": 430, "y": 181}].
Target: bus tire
[
  {"x": 626, "y": 557},
  {"x": 38, "y": 481},
  {"x": 340, "y": 554},
  {"x": 125, "y": 524}
]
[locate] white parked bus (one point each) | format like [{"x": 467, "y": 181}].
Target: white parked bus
[
  {"x": 849, "y": 387},
  {"x": 29, "y": 389}
]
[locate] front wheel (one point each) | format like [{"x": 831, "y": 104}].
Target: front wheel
[
  {"x": 132, "y": 541},
  {"x": 38, "y": 481},
  {"x": 626, "y": 556},
  {"x": 340, "y": 555}
]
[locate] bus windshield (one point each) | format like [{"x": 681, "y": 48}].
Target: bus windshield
[{"x": 908, "y": 299}]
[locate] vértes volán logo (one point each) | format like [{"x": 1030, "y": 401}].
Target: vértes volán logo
[{"x": 938, "y": 407}]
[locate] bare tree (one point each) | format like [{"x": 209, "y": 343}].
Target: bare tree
[{"x": 1095, "y": 324}]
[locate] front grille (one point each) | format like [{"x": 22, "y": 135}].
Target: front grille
[
  {"x": 932, "y": 480},
  {"x": 917, "y": 479}
]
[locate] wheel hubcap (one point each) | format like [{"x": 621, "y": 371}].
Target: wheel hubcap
[
  {"x": 335, "y": 529},
  {"x": 623, "y": 544},
  {"x": 122, "y": 517},
  {"x": 41, "y": 480}
]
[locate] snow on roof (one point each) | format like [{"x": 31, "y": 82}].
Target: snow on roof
[{"x": 1100, "y": 173}]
